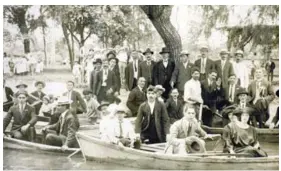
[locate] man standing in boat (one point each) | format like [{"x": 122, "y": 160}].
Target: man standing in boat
[
  {"x": 152, "y": 121},
  {"x": 24, "y": 118},
  {"x": 63, "y": 132}
]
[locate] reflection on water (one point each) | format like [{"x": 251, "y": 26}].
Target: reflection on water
[{"x": 20, "y": 160}]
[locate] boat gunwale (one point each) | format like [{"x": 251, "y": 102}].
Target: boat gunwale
[{"x": 176, "y": 157}]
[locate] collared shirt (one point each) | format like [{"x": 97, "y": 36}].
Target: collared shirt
[
  {"x": 242, "y": 105},
  {"x": 22, "y": 106},
  {"x": 148, "y": 63},
  {"x": 210, "y": 82},
  {"x": 4, "y": 95},
  {"x": 203, "y": 65},
  {"x": 165, "y": 63},
  {"x": 192, "y": 89},
  {"x": 141, "y": 89},
  {"x": 69, "y": 93},
  {"x": 231, "y": 92},
  {"x": 151, "y": 106},
  {"x": 222, "y": 64},
  {"x": 185, "y": 64},
  {"x": 135, "y": 68},
  {"x": 104, "y": 77}
]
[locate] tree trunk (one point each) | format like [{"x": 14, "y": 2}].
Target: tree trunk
[
  {"x": 64, "y": 29},
  {"x": 159, "y": 15},
  {"x": 44, "y": 42},
  {"x": 72, "y": 47},
  {"x": 26, "y": 43}
]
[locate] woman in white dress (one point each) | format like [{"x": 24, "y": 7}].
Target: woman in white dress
[{"x": 241, "y": 70}]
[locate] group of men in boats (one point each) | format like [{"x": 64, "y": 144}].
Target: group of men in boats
[{"x": 168, "y": 101}]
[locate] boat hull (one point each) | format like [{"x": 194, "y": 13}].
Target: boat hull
[{"x": 94, "y": 149}]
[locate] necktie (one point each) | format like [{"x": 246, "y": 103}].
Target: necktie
[
  {"x": 135, "y": 66},
  {"x": 189, "y": 128},
  {"x": 230, "y": 92},
  {"x": 121, "y": 130},
  {"x": 21, "y": 108},
  {"x": 222, "y": 65},
  {"x": 203, "y": 66}
]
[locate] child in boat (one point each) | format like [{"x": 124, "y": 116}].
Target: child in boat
[
  {"x": 92, "y": 105},
  {"x": 240, "y": 137},
  {"x": 46, "y": 107},
  {"x": 185, "y": 133},
  {"x": 121, "y": 131}
]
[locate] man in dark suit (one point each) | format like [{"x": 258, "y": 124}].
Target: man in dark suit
[
  {"x": 106, "y": 84},
  {"x": 7, "y": 97},
  {"x": 63, "y": 132},
  {"x": 152, "y": 121},
  {"x": 204, "y": 63},
  {"x": 93, "y": 77},
  {"x": 211, "y": 90},
  {"x": 182, "y": 73},
  {"x": 132, "y": 71},
  {"x": 270, "y": 66},
  {"x": 146, "y": 67},
  {"x": 136, "y": 97},
  {"x": 163, "y": 71},
  {"x": 37, "y": 96},
  {"x": 114, "y": 67},
  {"x": 224, "y": 67},
  {"x": 261, "y": 93},
  {"x": 174, "y": 106},
  {"x": 24, "y": 119},
  {"x": 78, "y": 104}
]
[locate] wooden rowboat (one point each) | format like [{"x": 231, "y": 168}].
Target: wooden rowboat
[
  {"x": 264, "y": 134},
  {"x": 95, "y": 149},
  {"x": 12, "y": 143}
]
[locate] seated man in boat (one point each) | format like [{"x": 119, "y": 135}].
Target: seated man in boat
[
  {"x": 63, "y": 132},
  {"x": 121, "y": 131},
  {"x": 24, "y": 119},
  {"x": 152, "y": 121},
  {"x": 239, "y": 137},
  {"x": 185, "y": 133}
]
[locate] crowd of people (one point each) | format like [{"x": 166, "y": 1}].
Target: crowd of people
[
  {"x": 169, "y": 99},
  {"x": 22, "y": 64}
]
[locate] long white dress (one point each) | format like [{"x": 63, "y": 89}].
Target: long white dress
[{"x": 242, "y": 72}]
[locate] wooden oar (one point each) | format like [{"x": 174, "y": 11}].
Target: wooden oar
[{"x": 75, "y": 152}]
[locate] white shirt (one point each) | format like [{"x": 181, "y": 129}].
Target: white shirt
[
  {"x": 231, "y": 92},
  {"x": 104, "y": 77},
  {"x": 141, "y": 89},
  {"x": 222, "y": 64},
  {"x": 4, "y": 95},
  {"x": 165, "y": 63},
  {"x": 242, "y": 73},
  {"x": 113, "y": 132},
  {"x": 21, "y": 106},
  {"x": 185, "y": 65},
  {"x": 203, "y": 65},
  {"x": 69, "y": 95},
  {"x": 151, "y": 106},
  {"x": 192, "y": 89},
  {"x": 135, "y": 63}
]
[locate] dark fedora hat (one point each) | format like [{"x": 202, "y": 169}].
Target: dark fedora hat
[
  {"x": 242, "y": 91},
  {"x": 238, "y": 111},
  {"x": 39, "y": 82},
  {"x": 164, "y": 50},
  {"x": 148, "y": 51},
  {"x": 195, "y": 145},
  {"x": 103, "y": 103},
  {"x": 228, "y": 110},
  {"x": 98, "y": 60},
  {"x": 111, "y": 52},
  {"x": 21, "y": 84}
]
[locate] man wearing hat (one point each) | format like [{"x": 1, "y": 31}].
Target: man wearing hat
[
  {"x": 204, "y": 64},
  {"x": 92, "y": 105},
  {"x": 241, "y": 69},
  {"x": 24, "y": 119},
  {"x": 93, "y": 78},
  {"x": 63, "y": 132},
  {"x": 224, "y": 67},
  {"x": 163, "y": 71},
  {"x": 152, "y": 121},
  {"x": 121, "y": 131},
  {"x": 270, "y": 66},
  {"x": 261, "y": 94},
  {"x": 114, "y": 67},
  {"x": 146, "y": 67},
  {"x": 132, "y": 71},
  {"x": 38, "y": 95},
  {"x": 182, "y": 73},
  {"x": 192, "y": 88},
  {"x": 137, "y": 97},
  {"x": 106, "y": 83},
  {"x": 185, "y": 133},
  {"x": 7, "y": 97}
]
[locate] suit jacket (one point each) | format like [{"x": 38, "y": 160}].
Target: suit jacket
[
  {"x": 208, "y": 67},
  {"x": 129, "y": 74},
  {"x": 135, "y": 99},
  {"x": 77, "y": 101},
  {"x": 20, "y": 119},
  {"x": 174, "y": 111},
  {"x": 270, "y": 66},
  {"x": 210, "y": 93},
  {"x": 226, "y": 92},
  {"x": 162, "y": 75},
  {"x": 116, "y": 71},
  {"x": 110, "y": 82},
  {"x": 224, "y": 72},
  {"x": 181, "y": 75},
  {"x": 268, "y": 93},
  {"x": 69, "y": 128},
  {"x": 9, "y": 93},
  {"x": 147, "y": 71},
  {"x": 93, "y": 81},
  {"x": 161, "y": 119},
  {"x": 36, "y": 94}
]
